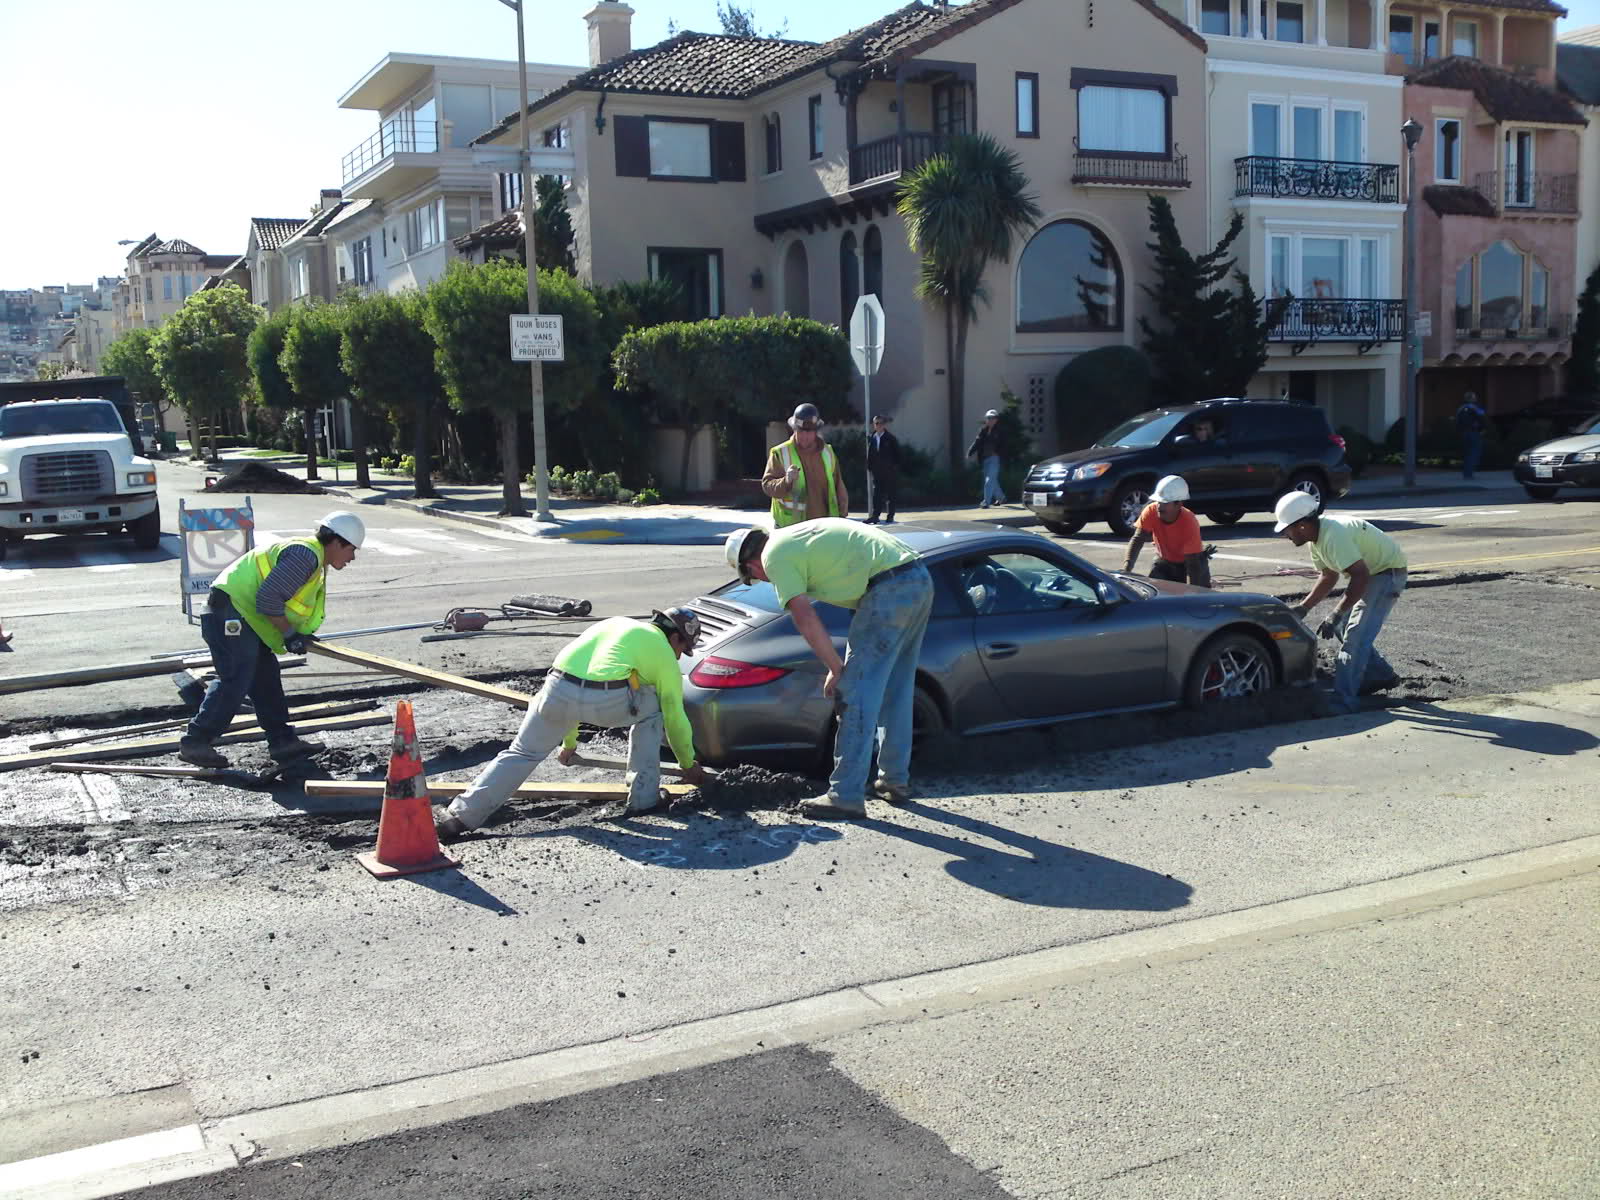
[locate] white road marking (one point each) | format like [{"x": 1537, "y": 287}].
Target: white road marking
[
  {"x": 380, "y": 547},
  {"x": 502, "y": 535},
  {"x": 15, "y": 573},
  {"x": 1277, "y": 562},
  {"x": 70, "y": 1164},
  {"x": 434, "y": 535}
]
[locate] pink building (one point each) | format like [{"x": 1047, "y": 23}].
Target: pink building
[{"x": 1497, "y": 168}]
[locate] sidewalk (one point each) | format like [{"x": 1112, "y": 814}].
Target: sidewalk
[{"x": 691, "y": 524}]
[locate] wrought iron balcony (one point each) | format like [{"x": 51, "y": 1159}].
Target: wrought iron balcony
[
  {"x": 1530, "y": 191},
  {"x": 893, "y": 155},
  {"x": 1305, "y": 322},
  {"x": 1315, "y": 178},
  {"x": 395, "y": 137},
  {"x": 1115, "y": 170}
]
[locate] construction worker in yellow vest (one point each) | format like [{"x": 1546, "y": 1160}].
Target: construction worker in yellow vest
[
  {"x": 269, "y": 601},
  {"x": 803, "y": 478}
]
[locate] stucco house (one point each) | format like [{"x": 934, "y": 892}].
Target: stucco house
[{"x": 760, "y": 174}]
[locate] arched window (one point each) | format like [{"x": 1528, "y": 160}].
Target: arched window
[
  {"x": 849, "y": 277},
  {"x": 1500, "y": 286},
  {"x": 1069, "y": 281},
  {"x": 774, "y": 130},
  {"x": 796, "y": 281},
  {"x": 872, "y": 262}
]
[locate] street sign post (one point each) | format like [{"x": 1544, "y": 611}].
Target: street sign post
[
  {"x": 1424, "y": 324},
  {"x": 537, "y": 338},
  {"x": 866, "y": 347}
]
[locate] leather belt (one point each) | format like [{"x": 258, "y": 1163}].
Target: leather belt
[
  {"x": 605, "y": 685},
  {"x": 893, "y": 571}
]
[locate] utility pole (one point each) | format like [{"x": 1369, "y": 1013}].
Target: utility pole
[
  {"x": 1411, "y": 132},
  {"x": 535, "y": 368}
]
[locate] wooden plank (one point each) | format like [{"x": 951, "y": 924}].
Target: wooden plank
[
  {"x": 151, "y": 747},
  {"x": 422, "y": 674},
  {"x": 109, "y": 672},
  {"x": 82, "y": 768},
  {"x": 528, "y": 791},
  {"x": 672, "y": 770},
  {"x": 308, "y": 712}
]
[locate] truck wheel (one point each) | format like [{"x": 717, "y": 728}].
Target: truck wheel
[{"x": 147, "y": 530}]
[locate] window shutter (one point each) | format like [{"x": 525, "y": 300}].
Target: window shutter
[
  {"x": 728, "y": 148},
  {"x": 632, "y": 138}
]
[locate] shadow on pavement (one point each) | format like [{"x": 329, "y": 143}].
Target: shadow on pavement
[
  {"x": 457, "y": 885},
  {"x": 1513, "y": 733}
]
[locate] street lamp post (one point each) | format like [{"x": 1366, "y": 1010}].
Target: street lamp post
[
  {"x": 535, "y": 368},
  {"x": 1412, "y": 132}
]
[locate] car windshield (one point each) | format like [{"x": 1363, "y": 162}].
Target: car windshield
[
  {"x": 52, "y": 420},
  {"x": 1147, "y": 429},
  {"x": 1592, "y": 427}
]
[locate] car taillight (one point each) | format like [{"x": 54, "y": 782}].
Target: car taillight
[
  {"x": 1336, "y": 440},
  {"x": 716, "y": 672}
]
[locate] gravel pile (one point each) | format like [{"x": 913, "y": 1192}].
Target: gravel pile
[{"x": 258, "y": 477}]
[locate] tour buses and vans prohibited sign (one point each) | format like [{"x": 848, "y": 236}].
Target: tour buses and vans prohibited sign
[{"x": 537, "y": 338}]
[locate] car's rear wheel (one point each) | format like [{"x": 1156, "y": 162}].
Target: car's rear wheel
[
  {"x": 1063, "y": 528},
  {"x": 1538, "y": 491},
  {"x": 1126, "y": 505},
  {"x": 1312, "y": 485},
  {"x": 1225, "y": 518},
  {"x": 927, "y": 724},
  {"x": 1231, "y": 666}
]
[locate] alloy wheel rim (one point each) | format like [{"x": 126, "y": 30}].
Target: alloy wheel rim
[
  {"x": 1235, "y": 674},
  {"x": 1310, "y": 488},
  {"x": 1134, "y": 505}
]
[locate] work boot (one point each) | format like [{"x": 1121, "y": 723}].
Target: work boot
[
  {"x": 199, "y": 753},
  {"x": 450, "y": 829},
  {"x": 828, "y": 807},
  {"x": 895, "y": 793},
  {"x": 292, "y": 748},
  {"x": 1373, "y": 687}
]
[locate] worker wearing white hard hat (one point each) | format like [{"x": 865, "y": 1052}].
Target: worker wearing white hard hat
[
  {"x": 268, "y": 602},
  {"x": 1375, "y": 569},
  {"x": 1181, "y": 554}
]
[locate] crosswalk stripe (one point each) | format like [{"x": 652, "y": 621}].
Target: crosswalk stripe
[
  {"x": 435, "y": 536},
  {"x": 380, "y": 547},
  {"x": 15, "y": 573}
]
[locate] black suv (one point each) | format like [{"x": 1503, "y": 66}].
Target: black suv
[{"x": 1238, "y": 456}]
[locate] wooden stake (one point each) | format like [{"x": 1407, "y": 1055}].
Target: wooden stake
[
  {"x": 422, "y": 674},
  {"x": 528, "y": 791},
  {"x": 309, "y": 712}
]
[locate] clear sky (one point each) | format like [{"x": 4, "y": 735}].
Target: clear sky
[{"x": 186, "y": 118}]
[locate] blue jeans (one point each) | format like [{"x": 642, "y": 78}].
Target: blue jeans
[
  {"x": 244, "y": 667},
  {"x": 1471, "y": 452},
  {"x": 991, "y": 481},
  {"x": 877, "y": 691},
  {"x": 1359, "y": 659}
]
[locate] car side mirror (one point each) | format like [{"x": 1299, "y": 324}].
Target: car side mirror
[
  {"x": 1108, "y": 594},
  {"x": 1184, "y": 441}
]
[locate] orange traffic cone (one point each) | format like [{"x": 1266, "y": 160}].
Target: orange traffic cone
[{"x": 407, "y": 843}]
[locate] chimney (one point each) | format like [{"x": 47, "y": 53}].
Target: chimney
[
  {"x": 610, "y": 31},
  {"x": 329, "y": 198}
]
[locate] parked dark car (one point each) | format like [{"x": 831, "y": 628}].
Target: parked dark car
[
  {"x": 1256, "y": 451},
  {"x": 1023, "y": 633},
  {"x": 1572, "y": 461},
  {"x": 1565, "y": 414}
]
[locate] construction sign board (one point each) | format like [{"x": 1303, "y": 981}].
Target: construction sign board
[{"x": 212, "y": 539}]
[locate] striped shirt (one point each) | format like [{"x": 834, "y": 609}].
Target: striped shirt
[{"x": 293, "y": 570}]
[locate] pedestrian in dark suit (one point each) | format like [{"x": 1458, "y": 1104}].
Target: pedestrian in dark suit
[{"x": 883, "y": 462}]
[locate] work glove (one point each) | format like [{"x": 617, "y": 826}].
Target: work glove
[
  {"x": 296, "y": 643},
  {"x": 1329, "y": 628}
]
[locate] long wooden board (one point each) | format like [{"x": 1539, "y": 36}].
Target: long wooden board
[
  {"x": 422, "y": 674},
  {"x": 308, "y": 712},
  {"x": 672, "y": 770},
  {"x": 108, "y": 672},
  {"x": 150, "y": 747},
  {"x": 528, "y": 791}
]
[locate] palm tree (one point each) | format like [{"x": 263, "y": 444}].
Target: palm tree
[{"x": 962, "y": 209}]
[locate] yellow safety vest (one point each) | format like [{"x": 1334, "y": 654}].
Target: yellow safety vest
[
  {"x": 303, "y": 610},
  {"x": 791, "y": 509}
]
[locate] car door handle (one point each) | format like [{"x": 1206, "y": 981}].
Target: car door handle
[{"x": 1000, "y": 650}]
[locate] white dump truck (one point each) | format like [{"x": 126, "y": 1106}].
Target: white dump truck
[{"x": 70, "y": 466}]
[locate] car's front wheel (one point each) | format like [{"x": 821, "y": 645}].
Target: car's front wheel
[
  {"x": 1225, "y": 518},
  {"x": 1538, "y": 491},
  {"x": 147, "y": 530},
  {"x": 1063, "y": 528},
  {"x": 1126, "y": 505},
  {"x": 1230, "y": 666}
]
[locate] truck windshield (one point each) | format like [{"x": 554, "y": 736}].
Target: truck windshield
[{"x": 52, "y": 420}]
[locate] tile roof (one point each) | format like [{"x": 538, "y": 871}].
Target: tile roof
[
  {"x": 221, "y": 262},
  {"x": 1589, "y": 35},
  {"x": 504, "y": 230},
  {"x": 1451, "y": 200},
  {"x": 723, "y": 67},
  {"x": 176, "y": 246},
  {"x": 1504, "y": 96},
  {"x": 273, "y": 232},
  {"x": 1578, "y": 70},
  {"x": 1537, "y": 6}
]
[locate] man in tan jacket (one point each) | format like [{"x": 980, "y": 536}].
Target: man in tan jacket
[{"x": 803, "y": 478}]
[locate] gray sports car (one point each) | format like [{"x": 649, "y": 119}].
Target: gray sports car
[{"x": 1023, "y": 632}]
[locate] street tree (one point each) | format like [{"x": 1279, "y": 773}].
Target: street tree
[
  {"x": 1583, "y": 368},
  {"x": 201, "y": 355},
  {"x": 552, "y": 227},
  {"x": 1207, "y": 340},
  {"x": 963, "y": 209},
  {"x": 468, "y": 314},
  {"x": 311, "y": 364},
  {"x": 736, "y": 22},
  {"x": 389, "y": 359},
  {"x": 132, "y": 356}
]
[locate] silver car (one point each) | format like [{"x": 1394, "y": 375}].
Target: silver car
[{"x": 1023, "y": 632}]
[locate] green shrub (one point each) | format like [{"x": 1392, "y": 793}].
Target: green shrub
[
  {"x": 647, "y": 496},
  {"x": 1097, "y": 391}
]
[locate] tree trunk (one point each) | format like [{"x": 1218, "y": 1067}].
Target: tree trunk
[
  {"x": 216, "y": 458},
  {"x": 955, "y": 346},
  {"x": 358, "y": 443},
  {"x": 689, "y": 434},
  {"x": 511, "y": 504},
  {"x": 309, "y": 416},
  {"x": 421, "y": 450},
  {"x": 197, "y": 450}
]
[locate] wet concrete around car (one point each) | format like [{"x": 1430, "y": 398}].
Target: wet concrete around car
[{"x": 73, "y": 836}]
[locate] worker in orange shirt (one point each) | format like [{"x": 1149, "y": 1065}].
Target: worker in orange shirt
[{"x": 1180, "y": 554}]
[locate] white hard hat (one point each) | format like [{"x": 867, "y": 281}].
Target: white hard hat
[
  {"x": 1292, "y": 507},
  {"x": 1171, "y": 488},
  {"x": 347, "y": 525},
  {"x": 734, "y": 547}
]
